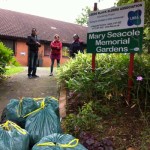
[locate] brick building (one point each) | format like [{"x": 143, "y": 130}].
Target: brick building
[{"x": 16, "y": 26}]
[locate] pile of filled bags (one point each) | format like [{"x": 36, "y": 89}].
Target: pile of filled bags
[{"x": 34, "y": 124}]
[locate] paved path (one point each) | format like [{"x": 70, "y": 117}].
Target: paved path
[{"x": 18, "y": 86}]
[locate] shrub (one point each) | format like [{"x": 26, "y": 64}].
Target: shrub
[{"x": 6, "y": 58}]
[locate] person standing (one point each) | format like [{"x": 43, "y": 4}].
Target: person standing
[
  {"x": 56, "y": 47},
  {"x": 76, "y": 46},
  {"x": 33, "y": 47}
]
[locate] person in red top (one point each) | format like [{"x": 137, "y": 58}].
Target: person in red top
[{"x": 56, "y": 47}]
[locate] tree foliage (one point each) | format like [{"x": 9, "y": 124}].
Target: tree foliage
[{"x": 83, "y": 18}]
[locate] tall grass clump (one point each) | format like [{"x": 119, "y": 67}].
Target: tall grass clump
[
  {"x": 97, "y": 101},
  {"x": 110, "y": 79}
]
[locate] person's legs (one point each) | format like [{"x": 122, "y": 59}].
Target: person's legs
[
  {"x": 52, "y": 66},
  {"x": 30, "y": 63},
  {"x": 72, "y": 55},
  {"x": 35, "y": 58},
  {"x": 58, "y": 63}
]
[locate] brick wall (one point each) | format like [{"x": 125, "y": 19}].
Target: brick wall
[{"x": 22, "y": 55}]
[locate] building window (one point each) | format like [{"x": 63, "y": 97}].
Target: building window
[
  {"x": 46, "y": 50},
  {"x": 9, "y": 43},
  {"x": 65, "y": 51}
]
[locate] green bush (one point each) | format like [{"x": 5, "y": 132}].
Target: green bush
[
  {"x": 6, "y": 58},
  {"x": 110, "y": 79},
  {"x": 85, "y": 120},
  {"x": 100, "y": 97}
]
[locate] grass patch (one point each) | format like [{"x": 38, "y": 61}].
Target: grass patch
[{"x": 11, "y": 70}]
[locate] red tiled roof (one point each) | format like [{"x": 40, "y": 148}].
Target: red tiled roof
[{"x": 19, "y": 25}]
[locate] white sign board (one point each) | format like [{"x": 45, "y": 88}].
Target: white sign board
[{"x": 117, "y": 18}]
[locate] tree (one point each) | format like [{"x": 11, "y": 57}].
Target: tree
[
  {"x": 83, "y": 18},
  {"x": 146, "y": 39}
]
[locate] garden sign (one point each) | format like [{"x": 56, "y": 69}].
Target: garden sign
[{"x": 116, "y": 30}]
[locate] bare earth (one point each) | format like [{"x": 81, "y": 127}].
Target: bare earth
[{"x": 18, "y": 86}]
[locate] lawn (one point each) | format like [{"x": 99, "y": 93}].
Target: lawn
[{"x": 11, "y": 70}]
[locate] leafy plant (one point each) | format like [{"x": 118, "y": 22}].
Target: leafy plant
[
  {"x": 145, "y": 139},
  {"x": 101, "y": 98},
  {"x": 6, "y": 58},
  {"x": 109, "y": 81},
  {"x": 92, "y": 143},
  {"x": 83, "y": 121},
  {"x": 83, "y": 18}
]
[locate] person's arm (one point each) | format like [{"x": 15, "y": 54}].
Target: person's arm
[
  {"x": 31, "y": 41},
  {"x": 38, "y": 43},
  {"x": 71, "y": 50},
  {"x": 54, "y": 46},
  {"x": 71, "y": 47},
  {"x": 60, "y": 45},
  {"x": 81, "y": 47}
]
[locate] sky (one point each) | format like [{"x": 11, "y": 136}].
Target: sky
[{"x": 63, "y": 10}]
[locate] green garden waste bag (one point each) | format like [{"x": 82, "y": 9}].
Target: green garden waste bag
[
  {"x": 50, "y": 100},
  {"x": 17, "y": 109},
  {"x": 58, "y": 141},
  {"x": 42, "y": 122},
  {"x": 13, "y": 137}
]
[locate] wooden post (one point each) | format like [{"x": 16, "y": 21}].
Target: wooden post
[
  {"x": 94, "y": 54},
  {"x": 130, "y": 73}
]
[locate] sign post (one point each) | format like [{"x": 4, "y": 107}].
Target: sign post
[
  {"x": 130, "y": 74},
  {"x": 93, "y": 54},
  {"x": 117, "y": 30}
]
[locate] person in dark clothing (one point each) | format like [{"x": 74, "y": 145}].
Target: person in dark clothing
[
  {"x": 33, "y": 47},
  {"x": 76, "y": 46}
]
